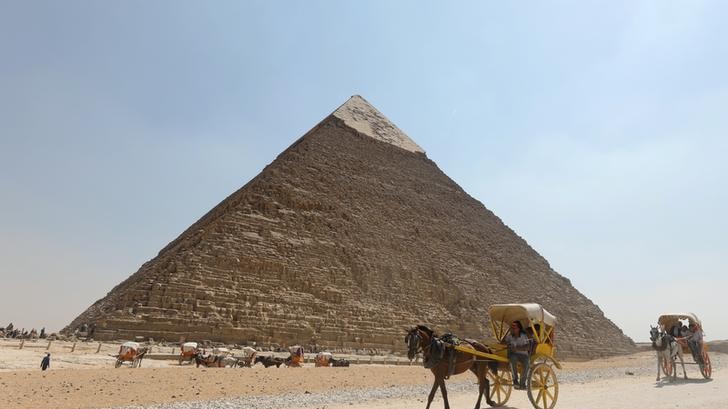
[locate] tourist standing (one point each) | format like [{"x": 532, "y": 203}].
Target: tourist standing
[{"x": 46, "y": 362}]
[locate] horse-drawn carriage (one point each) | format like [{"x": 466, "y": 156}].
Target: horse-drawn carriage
[
  {"x": 490, "y": 362},
  {"x": 248, "y": 358},
  {"x": 187, "y": 352},
  {"x": 296, "y": 358},
  {"x": 323, "y": 359},
  {"x": 327, "y": 359},
  {"x": 689, "y": 339},
  {"x": 130, "y": 352}
]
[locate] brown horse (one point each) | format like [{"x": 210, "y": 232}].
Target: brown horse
[{"x": 420, "y": 339}]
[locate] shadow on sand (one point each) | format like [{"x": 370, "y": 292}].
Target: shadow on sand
[{"x": 679, "y": 381}]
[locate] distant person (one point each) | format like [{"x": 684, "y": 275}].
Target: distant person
[
  {"x": 42, "y": 333},
  {"x": 518, "y": 351},
  {"x": 46, "y": 362}
]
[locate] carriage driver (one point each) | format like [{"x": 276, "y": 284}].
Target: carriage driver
[
  {"x": 518, "y": 351},
  {"x": 695, "y": 341}
]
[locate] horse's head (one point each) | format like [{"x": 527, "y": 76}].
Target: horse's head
[
  {"x": 654, "y": 333},
  {"x": 417, "y": 339}
]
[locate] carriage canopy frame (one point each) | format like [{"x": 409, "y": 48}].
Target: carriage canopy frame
[
  {"x": 666, "y": 321},
  {"x": 530, "y": 315}
]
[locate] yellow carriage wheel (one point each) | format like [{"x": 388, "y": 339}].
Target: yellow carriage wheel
[
  {"x": 501, "y": 385},
  {"x": 543, "y": 388}
]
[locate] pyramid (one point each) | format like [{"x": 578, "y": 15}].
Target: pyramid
[{"x": 347, "y": 238}]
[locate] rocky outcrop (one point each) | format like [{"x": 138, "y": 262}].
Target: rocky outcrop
[{"x": 351, "y": 235}]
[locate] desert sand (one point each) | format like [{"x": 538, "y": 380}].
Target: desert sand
[{"x": 86, "y": 379}]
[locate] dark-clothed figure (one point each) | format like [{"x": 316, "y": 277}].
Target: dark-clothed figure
[
  {"x": 518, "y": 351},
  {"x": 46, "y": 362}
]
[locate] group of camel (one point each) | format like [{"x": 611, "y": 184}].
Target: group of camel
[{"x": 223, "y": 360}]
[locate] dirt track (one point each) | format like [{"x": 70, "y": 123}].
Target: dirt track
[{"x": 603, "y": 383}]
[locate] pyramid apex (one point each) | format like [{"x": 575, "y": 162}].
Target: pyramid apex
[{"x": 360, "y": 115}]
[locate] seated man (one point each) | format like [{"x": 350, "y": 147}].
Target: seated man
[
  {"x": 695, "y": 342},
  {"x": 675, "y": 330},
  {"x": 518, "y": 351}
]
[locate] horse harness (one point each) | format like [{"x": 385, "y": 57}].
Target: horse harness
[
  {"x": 666, "y": 341},
  {"x": 446, "y": 345}
]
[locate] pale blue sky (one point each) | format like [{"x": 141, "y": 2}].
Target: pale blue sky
[{"x": 596, "y": 130}]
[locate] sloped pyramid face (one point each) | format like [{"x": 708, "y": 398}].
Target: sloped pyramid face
[{"x": 351, "y": 235}]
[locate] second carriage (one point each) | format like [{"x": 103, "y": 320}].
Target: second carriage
[
  {"x": 673, "y": 325},
  {"x": 132, "y": 353},
  {"x": 541, "y": 385}
]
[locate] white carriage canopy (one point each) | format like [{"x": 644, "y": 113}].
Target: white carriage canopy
[
  {"x": 249, "y": 351},
  {"x": 666, "y": 321},
  {"x": 189, "y": 346},
  {"x": 127, "y": 346},
  {"x": 531, "y": 316}
]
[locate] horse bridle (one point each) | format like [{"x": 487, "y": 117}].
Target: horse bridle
[
  {"x": 414, "y": 343},
  {"x": 654, "y": 332}
]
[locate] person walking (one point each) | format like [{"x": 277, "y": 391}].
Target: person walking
[{"x": 46, "y": 362}]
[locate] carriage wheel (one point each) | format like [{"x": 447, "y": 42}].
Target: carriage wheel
[
  {"x": 543, "y": 388},
  {"x": 117, "y": 363},
  {"x": 501, "y": 384},
  {"x": 667, "y": 365},
  {"x": 706, "y": 368}
]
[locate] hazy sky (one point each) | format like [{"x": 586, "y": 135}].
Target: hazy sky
[{"x": 598, "y": 131}]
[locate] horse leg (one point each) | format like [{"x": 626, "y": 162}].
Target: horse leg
[
  {"x": 674, "y": 363},
  {"x": 486, "y": 390},
  {"x": 432, "y": 393},
  {"x": 443, "y": 391},
  {"x": 680, "y": 355},
  {"x": 480, "y": 392},
  {"x": 659, "y": 361},
  {"x": 484, "y": 386}
]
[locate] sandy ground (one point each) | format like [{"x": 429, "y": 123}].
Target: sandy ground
[{"x": 85, "y": 379}]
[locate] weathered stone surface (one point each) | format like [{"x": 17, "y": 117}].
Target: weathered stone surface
[{"x": 351, "y": 235}]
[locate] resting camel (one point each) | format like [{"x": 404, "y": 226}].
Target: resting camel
[
  {"x": 268, "y": 361},
  {"x": 339, "y": 362}
]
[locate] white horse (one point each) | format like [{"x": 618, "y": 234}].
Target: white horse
[{"x": 667, "y": 349}]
